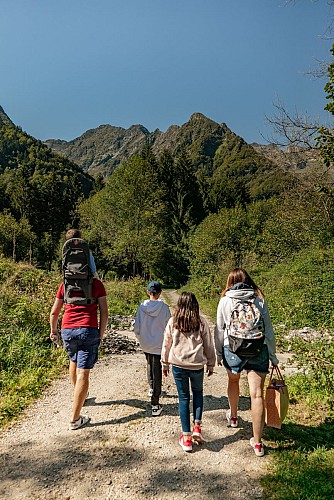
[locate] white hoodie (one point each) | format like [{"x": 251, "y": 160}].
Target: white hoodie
[
  {"x": 224, "y": 314},
  {"x": 150, "y": 322}
]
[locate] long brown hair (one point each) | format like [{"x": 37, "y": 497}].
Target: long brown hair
[
  {"x": 186, "y": 316},
  {"x": 239, "y": 275}
]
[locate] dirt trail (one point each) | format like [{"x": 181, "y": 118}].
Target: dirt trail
[{"x": 124, "y": 453}]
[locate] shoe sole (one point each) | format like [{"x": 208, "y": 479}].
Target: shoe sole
[{"x": 187, "y": 449}]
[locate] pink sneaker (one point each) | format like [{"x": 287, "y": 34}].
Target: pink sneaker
[
  {"x": 197, "y": 434},
  {"x": 185, "y": 442},
  {"x": 231, "y": 421}
]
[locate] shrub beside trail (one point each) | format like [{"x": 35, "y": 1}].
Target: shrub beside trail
[{"x": 28, "y": 361}]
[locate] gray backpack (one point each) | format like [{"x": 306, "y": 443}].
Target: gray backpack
[{"x": 78, "y": 276}]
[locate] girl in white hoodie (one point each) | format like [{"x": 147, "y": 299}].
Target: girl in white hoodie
[{"x": 241, "y": 287}]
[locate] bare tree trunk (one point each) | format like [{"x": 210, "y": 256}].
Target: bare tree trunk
[{"x": 14, "y": 245}]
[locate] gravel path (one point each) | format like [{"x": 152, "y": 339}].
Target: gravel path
[{"x": 124, "y": 453}]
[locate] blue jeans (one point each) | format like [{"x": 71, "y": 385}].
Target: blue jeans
[{"x": 182, "y": 378}]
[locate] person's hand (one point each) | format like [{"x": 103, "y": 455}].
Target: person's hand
[
  {"x": 165, "y": 372},
  {"x": 55, "y": 337},
  {"x": 209, "y": 371}
]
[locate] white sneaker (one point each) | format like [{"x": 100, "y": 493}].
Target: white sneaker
[
  {"x": 156, "y": 410},
  {"x": 257, "y": 447},
  {"x": 79, "y": 423},
  {"x": 185, "y": 442},
  {"x": 231, "y": 421}
]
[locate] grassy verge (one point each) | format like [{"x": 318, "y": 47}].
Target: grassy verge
[
  {"x": 302, "y": 465},
  {"x": 28, "y": 360}
]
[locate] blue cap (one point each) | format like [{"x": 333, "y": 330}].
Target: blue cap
[{"x": 154, "y": 287}]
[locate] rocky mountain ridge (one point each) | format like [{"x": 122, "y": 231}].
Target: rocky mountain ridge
[
  {"x": 98, "y": 151},
  {"x": 293, "y": 158}
]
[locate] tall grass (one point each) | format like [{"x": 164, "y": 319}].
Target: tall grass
[{"x": 28, "y": 360}]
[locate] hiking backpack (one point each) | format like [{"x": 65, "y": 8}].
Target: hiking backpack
[
  {"x": 78, "y": 277},
  {"x": 245, "y": 331}
]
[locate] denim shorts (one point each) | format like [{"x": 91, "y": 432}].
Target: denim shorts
[
  {"x": 82, "y": 345},
  {"x": 236, "y": 364}
]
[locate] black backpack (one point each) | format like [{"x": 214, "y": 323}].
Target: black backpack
[{"x": 78, "y": 276}]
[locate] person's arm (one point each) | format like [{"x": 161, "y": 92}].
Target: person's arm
[
  {"x": 208, "y": 347},
  {"x": 103, "y": 307},
  {"x": 166, "y": 345},
  {"x": 168, "y": 315},
  {"x": 269, "y": 334},
  {"x": 219, "y": 332},
  {"x": 93, "y": 265},
  {"x": 54, "y": 315},
  {"x": 136, "y": 325}
]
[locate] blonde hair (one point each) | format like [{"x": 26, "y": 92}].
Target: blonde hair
[{"x": 239, "y": 275}]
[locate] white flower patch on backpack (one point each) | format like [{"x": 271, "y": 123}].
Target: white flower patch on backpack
[{"x": 245, "y": 331}]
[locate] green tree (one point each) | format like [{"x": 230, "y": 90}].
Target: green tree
[
  {"x": 16, "y": 238},
  {"x": 183, "y": 211},
  {"x": 127, "y": 219},
  {"x": 220, "y": 240},
  {"x": 326, "y": 135}
]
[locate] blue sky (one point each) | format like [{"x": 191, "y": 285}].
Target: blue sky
[{"x": 71, "y": 65}]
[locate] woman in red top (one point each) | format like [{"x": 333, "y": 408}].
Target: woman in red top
[{"x": 82, "y": 332}]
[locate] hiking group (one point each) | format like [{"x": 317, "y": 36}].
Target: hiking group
[{"x": 243, "y": 340}]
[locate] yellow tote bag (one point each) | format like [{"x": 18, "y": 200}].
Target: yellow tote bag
[{"x": 277, "y": 399}]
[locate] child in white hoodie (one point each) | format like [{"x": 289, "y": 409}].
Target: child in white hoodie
[{"x": 151, "y": 319}]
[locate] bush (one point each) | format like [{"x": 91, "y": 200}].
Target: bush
[{"x": 124, "y": 296}]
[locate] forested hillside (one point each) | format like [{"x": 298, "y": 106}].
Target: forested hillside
[
  {"x": 39, "y": 192},
  {"x": 191, "y": 211}
]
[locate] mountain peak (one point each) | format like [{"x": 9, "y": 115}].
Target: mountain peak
[{"x": 4, "y": 118}]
